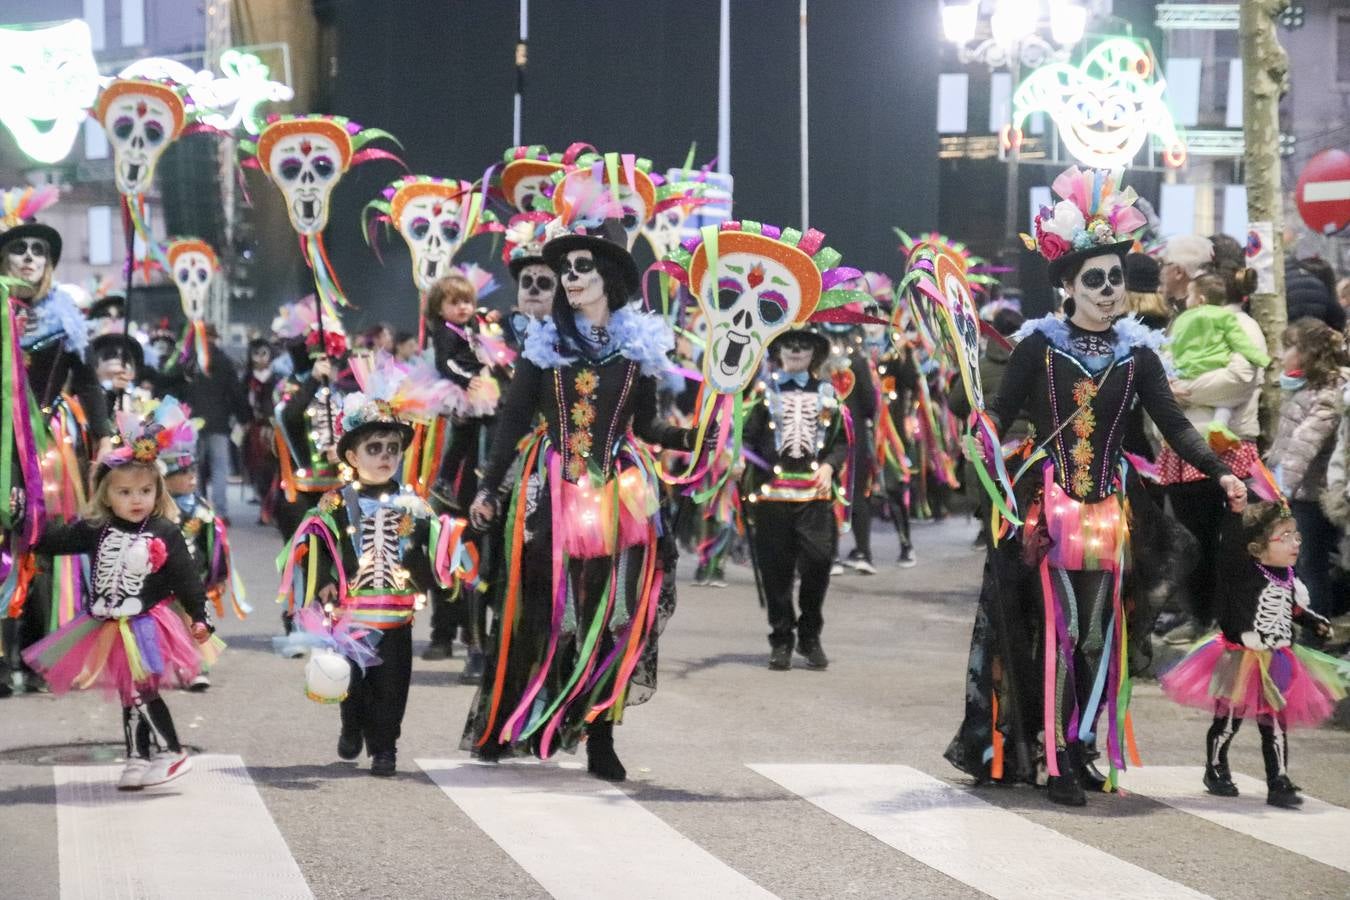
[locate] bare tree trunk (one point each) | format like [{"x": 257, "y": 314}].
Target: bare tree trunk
[{"x": 1265, "y": 78}]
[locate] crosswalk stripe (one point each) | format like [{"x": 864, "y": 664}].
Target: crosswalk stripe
[
  {"x": 206, "y": 835},
  {"x": 979, "y": 844},
  {"x": 1317, "y": 830},
  {"x": 565, "y": 829}
]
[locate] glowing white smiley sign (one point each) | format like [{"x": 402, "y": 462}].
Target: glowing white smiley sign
[
  {"x": 1104, "y": 108},
  {"x": 49, "y": 78}
]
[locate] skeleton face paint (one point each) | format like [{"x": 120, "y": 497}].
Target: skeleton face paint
[
  {"x": 1098, "y": 291},
  {"x": 140, "y": 125},
  {"x": 48, "y": 81},
  {"x": 306, "y": 166},
  {"x": 27, "y": 259},
  {"x": 582, "y": 282},
  {"x": 434, "y": 229},
  {"x": 751, "y": 301},
  {"x": 534, "y": 290},
  {"x": 193, "y": 273}
]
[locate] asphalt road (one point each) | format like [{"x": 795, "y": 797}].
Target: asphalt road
[{"x": 850, "y": 796}]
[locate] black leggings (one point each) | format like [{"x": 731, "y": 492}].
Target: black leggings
[
  {"x": 1199, "y": 506},
  {"x": 148, "y": 727}
]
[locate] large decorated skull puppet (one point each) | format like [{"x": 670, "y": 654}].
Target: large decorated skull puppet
[
  {"x": 527, "y": 183},
  {"x": 435, "y": 217},
  {"x": 142, "y": 118},
  {"x": 675, "y": 203},
  {"x": 193, "y": 265},
  {"x": 306, "y": 157},
  {"x": 612, "y": 187},
  {"x": 761, "y": 285}
]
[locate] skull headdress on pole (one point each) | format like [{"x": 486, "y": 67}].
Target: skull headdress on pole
[
  {"x": 613, "y": 186},
  {"x": 306, "y": 157},
  {"x": 193, "y": 264},
  {"x": 752, "y": 283},
  {"x": 142, "y": 118}
]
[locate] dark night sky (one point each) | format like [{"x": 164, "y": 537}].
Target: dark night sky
[{"x": 641, "y": 78}]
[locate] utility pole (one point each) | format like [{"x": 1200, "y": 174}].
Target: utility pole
[{"x": 1265, "y": 78}]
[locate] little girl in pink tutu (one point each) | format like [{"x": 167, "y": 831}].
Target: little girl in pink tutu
[
  {"x": 1252, "y": 667},
  {"x": 128, "y": 639}
]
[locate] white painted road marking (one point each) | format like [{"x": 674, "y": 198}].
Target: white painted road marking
[
  {"x": 1317, "y": 830},
  {"x": 990, "y": 849},
  {"x": 567, "y": 828},
  {"x": 207, "y": 836}
]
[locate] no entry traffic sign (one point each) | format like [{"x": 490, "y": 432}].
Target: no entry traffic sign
[{"x": 1323, "y": 192}]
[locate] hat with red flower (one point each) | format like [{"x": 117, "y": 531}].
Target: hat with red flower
[{"x": 1094, "y": 216}]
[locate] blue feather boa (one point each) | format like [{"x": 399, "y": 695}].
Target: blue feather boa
[
  {"x": 57, "y": 313},
  {"x": 645, "y": 338},
  {"x": 1129, "y": 333}
]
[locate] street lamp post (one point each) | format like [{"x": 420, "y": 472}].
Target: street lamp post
[{"x": 1011, "y": 37}]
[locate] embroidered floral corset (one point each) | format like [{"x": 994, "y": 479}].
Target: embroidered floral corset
[
  {"x": 1086, "y": 446},
  {"x": 589, "y": 412}
]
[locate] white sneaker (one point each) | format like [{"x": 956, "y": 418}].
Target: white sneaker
[
  {"x": 165, "y": 766},
  {"x": 863, "y": 567},
  {"x": 837, "y": 568},
  {"x": 200, "y": 683},
  {"x": 133, "y": 774}
]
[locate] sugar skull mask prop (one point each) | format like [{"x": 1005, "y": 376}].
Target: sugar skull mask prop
[
  {"x": 758, "y": 289},
  {"x": 527, "y": 184},
  {"x": 141, "y": 119},
  {"x": 193, "y": 265},
  {"x": 305, "y": 158},
  {"x": 48, "y": 80},
  {"x": 609, "y": 188}
]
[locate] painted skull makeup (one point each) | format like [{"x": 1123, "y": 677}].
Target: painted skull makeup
[
  {"x": 581, "y": 280},
  {"x": 534, "y": 290},
  {"x": 141, "y": 119},
  {"x": 27, "y": 259},
  {"x": 1098, "y": 291}
]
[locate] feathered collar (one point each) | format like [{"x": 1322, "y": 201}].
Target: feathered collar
[
  {"x": 55, "y": 314},
  {"x": 644, "y": 338},
  {"x": 1129, "y": 333}
]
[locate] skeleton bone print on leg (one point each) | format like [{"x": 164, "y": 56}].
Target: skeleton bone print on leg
[
  {"x": 378, "y": 567},
  {"x": 121, "y": 565}
]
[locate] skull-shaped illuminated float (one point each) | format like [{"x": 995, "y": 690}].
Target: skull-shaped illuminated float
[
  {"x": 142, "y": 118},
  {"x": 612, "y": 187},
  {"x": 435, "y": 216},
  {"x": 193, "y": 266}
]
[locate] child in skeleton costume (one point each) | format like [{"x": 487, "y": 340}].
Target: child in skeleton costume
[
  {"x": 1072, "y": 583},
  {"x": 1252, "y": 667},
  {"x": 205, "y": 533},
  {"x": 372, "y": 549},
  {"x": 54, "y": 416},
  {"x": 128, "y": 639},
  {"x": 307, "y": 410},
  {"x": 796, "y": 445},
  {"x": 583, "y": 566}
]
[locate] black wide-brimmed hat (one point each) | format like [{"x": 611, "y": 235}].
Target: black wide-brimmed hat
[
  {"x": 33, "y": 229},
  {"x": 609, "y": 239},
  {"x": 118, "y": 344},
  {"x": 109, "y": 306}
]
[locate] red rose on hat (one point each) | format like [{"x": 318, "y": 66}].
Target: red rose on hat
[{"x": 1052, "y": 245}]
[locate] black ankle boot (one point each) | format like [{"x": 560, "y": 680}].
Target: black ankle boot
[
  {"x": 601, "y": 760},
  {"x": 1280, "y": 791},
  {"x": 349, "y": 743},
  {"x": 1066, "y": 788},
  {"x": 1091, "y": 777},
  {"x": 1219, "y": 781}
]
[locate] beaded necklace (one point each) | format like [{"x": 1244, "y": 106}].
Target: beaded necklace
[{"x": 1286, "y": 581}]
